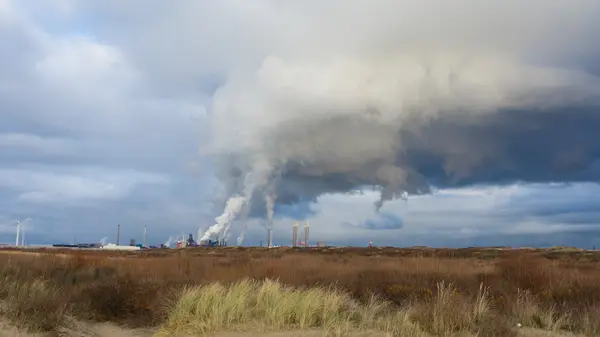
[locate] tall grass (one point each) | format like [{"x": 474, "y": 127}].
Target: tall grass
[
  {"x": 34, "y": 304},
  {"x": 271, "y": 306},
  {"x": 482, "y": 292}
]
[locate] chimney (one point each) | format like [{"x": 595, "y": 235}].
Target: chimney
[
  {"x": 144, "y": 236},
  {"x": 306, "y": 232},
  {"x": 270, "y": 238},
  {"x": 118, "y": 233},
  {"x": 295, "y": 235}
]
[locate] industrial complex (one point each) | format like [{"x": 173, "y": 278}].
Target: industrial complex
[{"x": 298, "y": 240}]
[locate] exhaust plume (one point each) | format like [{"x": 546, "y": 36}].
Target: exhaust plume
[
  {"x": 240, "y": 238},
  {"x": 408, "y": 101},
  {"x": 170, "y": 241},
  {"x": 233, "y": 206},
  {"x": 270, "y": 203}
]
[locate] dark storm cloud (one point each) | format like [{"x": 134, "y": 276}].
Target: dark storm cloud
[{"x": 529, "y": 146}]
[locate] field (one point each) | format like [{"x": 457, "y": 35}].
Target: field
[{"x": 292, "y": 292}]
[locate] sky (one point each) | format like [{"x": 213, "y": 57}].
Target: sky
[{"x": 154, "y": 113}]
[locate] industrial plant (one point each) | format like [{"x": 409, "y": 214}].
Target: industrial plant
[{"x": 298, "y": 240}]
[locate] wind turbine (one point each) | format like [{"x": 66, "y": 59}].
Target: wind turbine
[
  {"x": 18, "y": 232},
  {"x": 23, "y": 237}
]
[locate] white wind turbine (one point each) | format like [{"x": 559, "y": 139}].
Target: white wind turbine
[
  {"x": 18, "y": 232},
  {"x": 23, "y": 236}
]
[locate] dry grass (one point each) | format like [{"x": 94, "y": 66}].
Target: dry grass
[
  {"x": 483, "y": 292},
  {"x": 33, "y": 304},
  {"x": 271, "y": 306}
]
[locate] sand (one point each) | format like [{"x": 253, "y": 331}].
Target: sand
[
  {"x": 84, "y": 329},
  {"x": 79, "y": 329}
]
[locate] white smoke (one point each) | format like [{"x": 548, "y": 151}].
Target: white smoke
[
  {"x": 270, "y": 203},
  {"x": 339, "y": 104},
  {"x": 346, "y": 116},
  {"x": 104, "y": 241},
  {"x": 232, "y": 208},
  {"x": 240, "y": 238},
  {"x": 170, "y": 241}
]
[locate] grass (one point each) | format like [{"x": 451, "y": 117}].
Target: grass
[
  {"x": 266, "y": 305},
  {"x": 417, "y": 292},
  {"x": 271, "y": 306},
  {"x": 33, "y": 304}
]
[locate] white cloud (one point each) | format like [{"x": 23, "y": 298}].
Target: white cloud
[
  {"x": 40, "y": 186},
  {"x": 84, "y": 67},
  {"x": 445, "y": 216}
]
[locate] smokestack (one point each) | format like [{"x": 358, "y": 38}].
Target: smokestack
[
  {"x": 270, "y": 238},
  {"x": 295, "y": 235},
  {"x": 145, "y": 235},
  {"x": 118, "y": 233},
  {"x": 306, "y": 232},
  {"x": 18, "y": 232}
]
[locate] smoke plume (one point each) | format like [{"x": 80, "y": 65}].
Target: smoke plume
[
  {"x": 170, "y": 241},
  {"x": 233, "y": 206},
  {"x": 407, "y": 96},
  {"x": 270, "y": 203}
]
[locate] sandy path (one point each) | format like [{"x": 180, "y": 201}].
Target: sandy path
[
  {"x": 79, "y": 329},
  {"x": 83, "y": 329}
]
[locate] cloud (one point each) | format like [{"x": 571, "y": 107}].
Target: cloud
[
  {"x": 52, "y": 187},
  {"x": 410, "y": 100},
  {"x": 282, "y": 99},
  {"x": 19, "y": 142},
  {"x": 382, "y": 221},
  {"x": 506, "y": 215}
]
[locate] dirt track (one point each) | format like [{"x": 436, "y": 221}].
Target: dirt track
[{"x": 79, "y": 329}]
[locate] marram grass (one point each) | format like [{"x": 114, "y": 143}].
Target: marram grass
[{"x": 270, "y": 306}]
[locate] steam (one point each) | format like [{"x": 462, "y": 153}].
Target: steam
[
  {"x": 354, "y": 122},
  {"x": 240, "y": 238},
  {"x": 270, "y": 203},
  {"x": 452, "y": 106},
  {"x": 170, "y": 241},
  {"x": 233, "y": 206}
]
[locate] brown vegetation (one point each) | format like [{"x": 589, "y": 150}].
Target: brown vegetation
[{"x": 484, "y": 292}]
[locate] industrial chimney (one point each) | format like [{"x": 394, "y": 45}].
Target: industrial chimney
[
  {"x": 306, "y": 232},
  {"x": 118, "y": 233},
  {"x": 295, "y": 235},
  {"x": 270, "y": 238},
  {"x": 145, "y": 236}
]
